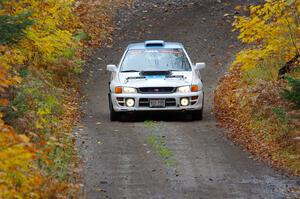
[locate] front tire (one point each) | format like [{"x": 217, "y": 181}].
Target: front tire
[
  {"x": 198, "y": 115},
  {"x": 113, "y": 115}
]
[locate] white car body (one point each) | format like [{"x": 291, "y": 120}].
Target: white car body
[{"x": 158, "y": 89}]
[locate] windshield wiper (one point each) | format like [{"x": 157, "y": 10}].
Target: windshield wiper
[
  {"x": 176, "y": 70},
  {"x": 128, "y": 71}
]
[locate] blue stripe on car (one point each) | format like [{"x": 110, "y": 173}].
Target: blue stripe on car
[{"x": 155, "y": 77}]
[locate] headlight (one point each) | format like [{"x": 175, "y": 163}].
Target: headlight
[
  {"x": 184, "y": 89},
  {"x": 129, "y": 90},
  {"x": 187, "y": 89}
]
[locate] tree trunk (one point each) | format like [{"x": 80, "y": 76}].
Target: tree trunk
[{"x": 286, "y": 68}]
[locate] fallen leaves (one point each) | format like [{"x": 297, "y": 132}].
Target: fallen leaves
[
  {"x": 247, "y": 100},
  {"x": 255, "y": 117},
  {"x": 96, "y": 16}
]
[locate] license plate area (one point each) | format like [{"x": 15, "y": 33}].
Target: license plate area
[{"x": 157, "y": 103}]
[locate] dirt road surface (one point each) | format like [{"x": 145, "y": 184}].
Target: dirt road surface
[{"x": 120, "y": 162}]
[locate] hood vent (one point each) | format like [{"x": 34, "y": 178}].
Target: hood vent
[
  {"x": 155, "y": 43},
  {"x": 149, "y": 73}
]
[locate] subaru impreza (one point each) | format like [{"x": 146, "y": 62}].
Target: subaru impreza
[{"x": 156, "y": 76}]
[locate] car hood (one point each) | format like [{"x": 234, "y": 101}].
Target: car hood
[{"x": 132, "y": 79}]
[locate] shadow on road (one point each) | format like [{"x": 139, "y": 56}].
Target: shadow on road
[{"x": 157, "y": 116}]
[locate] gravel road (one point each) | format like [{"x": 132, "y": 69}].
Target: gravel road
[{"x": 118, "y": 159}]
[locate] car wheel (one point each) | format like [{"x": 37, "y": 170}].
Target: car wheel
[
  {"x": 114, "y": 116},
  {"x": 189, "y": 116},
  {"x": 198, "y": 115}
]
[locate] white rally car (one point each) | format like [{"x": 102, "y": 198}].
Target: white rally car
[{"x": 156, "y": 76}]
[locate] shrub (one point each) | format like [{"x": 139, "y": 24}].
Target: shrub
[
  {"x": 11, "y": 27},
  {"x": 292, "y": 94},
  {"x": 35, "y": 107}
]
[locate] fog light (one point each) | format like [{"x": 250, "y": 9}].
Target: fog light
[
  {"x": 184, "y": 101},
  {"x": 130, "y": 102}
]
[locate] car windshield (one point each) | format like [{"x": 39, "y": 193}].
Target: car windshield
[{"x": 137, "y": 60}]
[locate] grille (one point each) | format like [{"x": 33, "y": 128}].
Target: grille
[
  {"x": 155, "y": 90},
  {"x": 144, "y": 102}
]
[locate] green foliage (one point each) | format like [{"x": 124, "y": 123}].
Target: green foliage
[
  {"x": 281, "y": 114},
  {"x": 24, "y": 73},
  {"x": 81, "y": 35},
  {"x": 12, "y": 27},
  {"x": 61, "y": 158},
  {"x": 69, "y": 53},
  {"x": 292, "y": 94},
  {"x": 35, "y": 104},
  {"x": 159, "y": 144},
  {"x": 266, "y": 70},
  {"x": 3, "y": 1},
  {"x": 150, "y": 124},
  {"x": 78, "y": 67}
]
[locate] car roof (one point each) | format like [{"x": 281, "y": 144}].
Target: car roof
[{"x": 153, "y": 44}]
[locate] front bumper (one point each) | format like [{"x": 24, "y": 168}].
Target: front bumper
[{"x": 172, "y": 102}]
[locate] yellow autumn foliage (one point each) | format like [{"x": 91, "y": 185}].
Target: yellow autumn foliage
[
  {"x": 44, "y": 42},
  {"x": 250, "y": 101},
  {"x": 48, "y": 49},
  {"x": 51, "y": 33},
  {"x": 19, "y": 178},
  {"x": 272, "y": 32}
]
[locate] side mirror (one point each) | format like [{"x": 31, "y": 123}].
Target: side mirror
[
  {"x": 111, "y": 68},
  {"x": 200, "y": 66}
]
